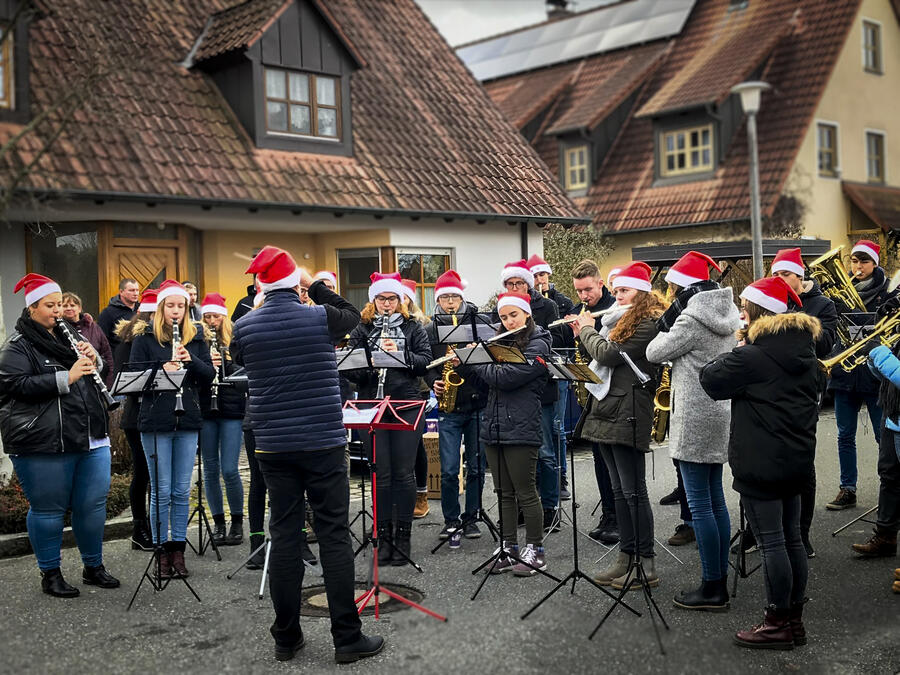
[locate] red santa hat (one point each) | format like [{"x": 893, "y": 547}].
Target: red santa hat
[
  {"x": 691, "y": 268},
  {"x": 612, "y": 275},
  {"x": 449, "y": 283},
  {"x": 537, "y": 265},
  {"x": 213, "y": 303},
  {"x": 520, "y": 300},
  {"x": 409, "y": 288},
  {"x": 771, "y": 293},
  {"x": 788, "y": 260},
  {"x": 635, "y": 275},
  {"x": 385, "y": 283},
  {"x": 170, "y": 287},
  {"x": 870, "y": 248},
  {"x": 148, "y": 300},
  {"x": 327, "y": 276},
  {"x": 517, "y": 270},
  {"x": 36, "y": 287},
  {"x": 274, "y": 268}
]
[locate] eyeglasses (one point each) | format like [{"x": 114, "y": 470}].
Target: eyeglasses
[
  {"x": 452, "y": 296},
  {"x": 516, "y": 284},
  {"x": 389, "y": 298}
]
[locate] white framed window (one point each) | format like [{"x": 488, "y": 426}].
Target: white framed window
[
  {"x": 871, "y": 47},
  {"x": 686, "y": 151},
  {"x": 876, "y": 145},
  {"x": 828, "y": 157},
  {"x": 575, "y": 167},
  {"x": 355, "y": 265}
]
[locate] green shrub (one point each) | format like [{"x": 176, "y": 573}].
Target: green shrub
[{"x": 565, "y": 248}]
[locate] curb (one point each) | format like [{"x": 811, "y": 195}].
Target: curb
[{"x": 12, "y": 545}]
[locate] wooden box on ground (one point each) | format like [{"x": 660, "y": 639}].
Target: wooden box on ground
[{"x": 434, "y": 466}]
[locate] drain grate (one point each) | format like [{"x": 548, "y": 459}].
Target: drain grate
[{"x": 314, "y": 602}]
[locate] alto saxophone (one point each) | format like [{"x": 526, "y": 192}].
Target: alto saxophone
[
  {"x": 452, "y": 381},
  {"x": 662, "y": 405}
]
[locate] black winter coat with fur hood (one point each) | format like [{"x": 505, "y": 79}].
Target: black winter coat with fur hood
[{"x": 771, "y": 382}]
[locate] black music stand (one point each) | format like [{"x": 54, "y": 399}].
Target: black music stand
[
  {"x": 477, "y": 328},
  {"x": 740, "y": 557},
  {"x": 577, "y": 373},
  {"x": 372, "y": 415},
  {"x": 152, "y": 381},
  {"x": 202, "y": 518}
]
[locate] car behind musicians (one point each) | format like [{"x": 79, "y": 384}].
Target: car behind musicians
[{"x": 287, "y": 349}]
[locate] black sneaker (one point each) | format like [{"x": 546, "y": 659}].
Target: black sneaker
[
  {"x": 674, "y": 497},
  {"x": 365, "y": 646},
  {"x": 449, "y": 528},
  {"x": 564, "y": 494},
  {"x": 471, "y": 531},
  {"x": 551, "y": 521},
  {"x": 287, "y": 653},
  {"x": 845, "y": 500}
]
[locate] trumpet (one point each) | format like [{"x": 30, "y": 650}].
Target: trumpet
[
  {"x": 560, "y": 322},
  {"x": 111, "y": 403},
  {"x": 176, "y": 345},
  {"x": 884, "y": 333}
]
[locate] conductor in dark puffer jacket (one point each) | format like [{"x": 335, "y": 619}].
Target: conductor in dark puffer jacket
[
  {"x": 771, "y": 381},
  {"x": 287, "y": 349}
]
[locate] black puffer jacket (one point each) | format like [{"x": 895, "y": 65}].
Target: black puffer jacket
[
  {"x": 817, "y": 304},
  {"x": 40, "y": 413},
  {"x": 564, "y": 304},
  {"x": 399, "y": 384},
  {"x": 513, "y": 411},
  {"x": 771, "y": 382},
  {"x": 472, "y": 394},
  {"x": 245, "y": 304},
  {"x": 157, "y": 412},
  {"x": 114, "y": 312}
]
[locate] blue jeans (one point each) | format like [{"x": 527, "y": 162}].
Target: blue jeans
[
  {"x": 712, "y": 526},
  {"x": 846, "y": 413},
  {"x": 172, "y": 479},
  {"x": 220, "y": 447},
  {"x": 559, "y": 420},
  {"x": 55, "y": 483},
  {"x": 548, "y": 459},
  {"x": 454, "y": 428}
]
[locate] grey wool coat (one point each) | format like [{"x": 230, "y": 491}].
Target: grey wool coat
[{"x": 698, "y": 425}]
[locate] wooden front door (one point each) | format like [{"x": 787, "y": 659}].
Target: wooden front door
[{"x": 150, "y": 266}]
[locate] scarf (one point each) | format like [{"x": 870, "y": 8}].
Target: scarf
[
  {"x": 679, "y": 304},
  {"x": 50, "y": 344},
  {"x": 393, "y": 323},
  {"x": 608, "y": 322},
  {"x": 870, "y": 289}
]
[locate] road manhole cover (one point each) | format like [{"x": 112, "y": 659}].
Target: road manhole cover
[{"x": 315, "y": 602}]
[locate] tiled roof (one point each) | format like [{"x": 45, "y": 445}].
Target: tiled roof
[
  {"x": 878, "y": 202},
  {"x": 716, "y": 49},
  {"x": 426, "y": 138},
  {"x": 238, "y": 27}
]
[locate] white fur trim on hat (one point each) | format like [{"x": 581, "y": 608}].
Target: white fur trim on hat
[
  {"x": 147, "y": 307},
  {"x": 514, "y": 302},
  {"x": 326, "y": 276},
  {"x": 41, "y": 291},
  {"x": 631, "y": 282},
  {"x": 788, "y": 266},
  {"x": 517, "y": 273},
  {"x": 172, "y": 291},
  {"x": 214, "y": 309},
  {"x": 680, "y": 278},
  {"x": 386, "y": 286},
  {"x": 543, "y": 267},
  {"x": 448, "y": 290},
  {"x": 757, "y": 297},
  {"x": 868, "y": 250},
  {"x": 292, "y": 280}
]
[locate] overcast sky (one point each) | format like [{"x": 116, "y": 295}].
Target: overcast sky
[{"x": 462, "y": 21}]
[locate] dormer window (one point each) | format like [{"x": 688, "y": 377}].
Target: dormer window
[
  {"x": 302, "y": 104},
  {"x": 686, "y": 151},
  {"x": 6, "y": 70},
  {"x": 576, "y": 168}
]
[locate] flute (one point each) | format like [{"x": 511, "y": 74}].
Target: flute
[
  {"x": 111, "y": 403},
  {"x": 560, "y": 322},
  {"x": 450, "y": 357}
]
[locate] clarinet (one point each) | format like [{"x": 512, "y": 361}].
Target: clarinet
[
  {"x": 111, "y": 403},
  {"x": 176, "y": 344},
  {"x": 214, "y": 389},
  {"x": 382, "y": 372}
]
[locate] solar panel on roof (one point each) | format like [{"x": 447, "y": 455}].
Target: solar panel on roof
[{"x": 593, "y": 32}]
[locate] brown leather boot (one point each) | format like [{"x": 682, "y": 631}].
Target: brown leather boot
[
  {"x": 896, "y": 586},
  {"x": 798, "y": 630},
  {"x": 773, "y": 633},
  {"x": 178, "y": 567},
  {"x": 421, "y": 509},
  {"x": 882, "y": 544}
]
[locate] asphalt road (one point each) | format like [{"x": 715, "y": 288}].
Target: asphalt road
[{"x": 853, "y": 618}]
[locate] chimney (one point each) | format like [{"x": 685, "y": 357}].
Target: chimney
[{"x": 558, "y": 9}]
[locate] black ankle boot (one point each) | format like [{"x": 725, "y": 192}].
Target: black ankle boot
[
  {"x": 257, "y": 558},
  {"x": 235, "y": 533},
  {"x": 98, "y": 576},
  {"x": 141, "y": 539},
  {"x": 385, "y": 543},
  {"x": 52, "y": 583},
  {"x": 712, "y": 596},
  {"x": 402, "y": 544},
  {"x": 218, "y": 533}
]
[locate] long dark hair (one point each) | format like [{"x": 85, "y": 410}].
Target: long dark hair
[{"x": 521, "y": 339}]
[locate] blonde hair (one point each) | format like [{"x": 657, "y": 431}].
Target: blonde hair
[
  {"x": 416, "y": 312},
  {"x": 69, "y": 295},
  {"x": 162, "y": 329},
  {"x": 367, "y": 315},
  {"x": 223, "y": 332}
]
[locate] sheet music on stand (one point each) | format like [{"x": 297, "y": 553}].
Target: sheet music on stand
[
  {"x": 465, "y": 333},
  {"x": 134, "y": 382},
  {"x": 572, "y": 372},
  {"x": 489, "y": 353},
  {"x": 355, "y": 358},
  {"x": 858, "y": 324}
]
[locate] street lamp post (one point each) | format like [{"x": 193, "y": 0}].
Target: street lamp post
[{"x": 750, "y": 95}]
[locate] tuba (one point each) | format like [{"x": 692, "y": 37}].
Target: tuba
[
  {"x": 835, "y": 283},
  {"x": 662, "y": 405},
  {"x": 452, "y": 381},
  {"x": 885, "y": 332}
]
